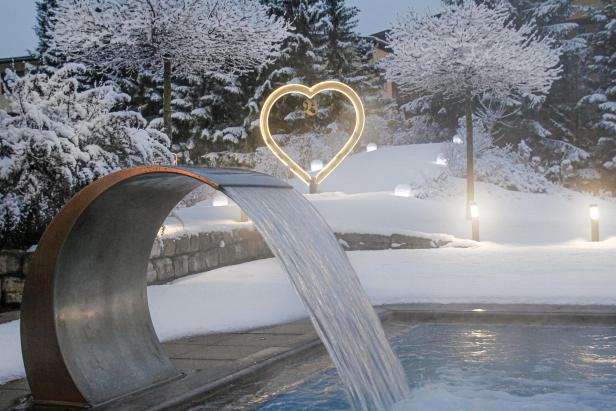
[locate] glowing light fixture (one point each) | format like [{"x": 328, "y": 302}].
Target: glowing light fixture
[
  {"x": 440, "y": 160},
  {"x": 316, "y": 165},
  {"x": 310, "y": 92},
  {"x": 220, "y": 200},
  {"x": 371, "y": 147},
  {"x": 594, "y": 212},
  {"x": 403, "y": 190},
  {"x": 594, "y": 222},
  {"x": 474, "y": 208}
]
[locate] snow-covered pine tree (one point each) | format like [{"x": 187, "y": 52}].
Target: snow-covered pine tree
[
  {"x": 338, "y": 24},
  {"x": 602, "y": 100},
  {"x": 299, "y": 62},
  {"x": 467, "y": 53},
  {"x": 223, "y": 38},
  {"x": 45, "y": 17},
  {"x": 58, "y": 138}
]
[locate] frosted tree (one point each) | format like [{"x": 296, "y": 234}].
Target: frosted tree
[
  {"x": 223, "y": 38},
  {"x": 467, "y": 53},
  {"x": 602, "y": 100},
  {"x": 58, "y": 138}
]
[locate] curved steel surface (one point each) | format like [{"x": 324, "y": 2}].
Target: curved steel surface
[{"x": 87, "y": 336}]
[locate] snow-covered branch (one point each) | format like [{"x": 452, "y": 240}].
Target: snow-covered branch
[
  {"x": 222, "y": 36},
  {"x": 470, "y": 49}
]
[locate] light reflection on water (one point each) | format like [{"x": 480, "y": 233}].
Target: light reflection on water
[{"x": 493, "y": 367}]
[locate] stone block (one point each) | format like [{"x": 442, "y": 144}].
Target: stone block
[
  {"x": 228, "y": 237},
  {"x": 193, "y": 243},
  {"x": 157, "y": 248},
  {"x": 399, "y": 241},
  {"x": 26, "y": 263},
  {"x": 241, "y": 251},
  {"x": 10, "y": 261},
  {"x": 12, "y": 289},
  {"x": 226, "y": 254},
  {"x": 205, "y": 241},
  {"x": 197, "y": 262},
  {"x": 211, "y": 258},
  {"x": 358, "y": 241},
  {"x": 216, "y": 237},
  {"x": 151, "y": 274},
  {"x": 182, "y": 245},
  {"x": 168, "y": 247},
  {"x": 180, "y": 265},
  {"x": 164, "y": 269}
]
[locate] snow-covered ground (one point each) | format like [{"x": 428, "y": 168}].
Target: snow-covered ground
[
  {"x": 258, "y": 293},
  {"x": 358, "y": 196},
  {"x": 535, "y": 252}
]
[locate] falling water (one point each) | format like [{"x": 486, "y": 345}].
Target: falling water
[{"x": 331, "y": 292}]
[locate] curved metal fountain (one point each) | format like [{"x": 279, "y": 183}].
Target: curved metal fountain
[{"x": 87, "y": 335}]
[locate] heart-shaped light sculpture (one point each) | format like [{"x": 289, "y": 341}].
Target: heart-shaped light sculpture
[{"x": 310, "y": 92}]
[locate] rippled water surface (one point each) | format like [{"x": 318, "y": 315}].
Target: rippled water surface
[{"x": 494, "y": 367}]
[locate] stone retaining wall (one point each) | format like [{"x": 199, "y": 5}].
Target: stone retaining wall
[{"x": 173, "y": 258}]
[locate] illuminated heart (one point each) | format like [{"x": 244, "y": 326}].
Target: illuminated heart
[{"x": 310, "y": 92}]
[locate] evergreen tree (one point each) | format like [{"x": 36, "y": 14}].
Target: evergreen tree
[
  {"x": 45, "y": 12},
  {"x": 44, "y": 15},
  {"x": 299, "y": 62},
  {"x": 601, "y": 102},
  {"x": 338, "y": 25}
]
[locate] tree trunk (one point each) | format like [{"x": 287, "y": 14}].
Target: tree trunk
[
  {"x": 470, "y": 171},
  {"x": 167, "y": 95}
]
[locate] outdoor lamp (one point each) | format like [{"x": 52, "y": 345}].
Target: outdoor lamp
[
  {"x": 316, "y": 165},
  {"x": 594, "y": 222},
  {"x": 402, "y": 190},
  {"x": 371, "y": 147},
  {"x": 220, "y": 200},
  {"x": 474, "y": 208}
]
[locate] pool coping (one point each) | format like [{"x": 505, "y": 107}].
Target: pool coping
[{"x": 216, "y": 362}]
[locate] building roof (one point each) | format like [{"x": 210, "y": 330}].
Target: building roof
[
  {"x": 18, "y": 59},
  {"x": 379, "y": 40}
]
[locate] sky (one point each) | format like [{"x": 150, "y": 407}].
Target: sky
[{"x": 18, "y": 18}]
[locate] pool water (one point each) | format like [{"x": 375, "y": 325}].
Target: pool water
[{"x": 487, "y": 367}]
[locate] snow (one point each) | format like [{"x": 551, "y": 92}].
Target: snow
[
  {"x": 258, "y": 293},
  {"x": 535, "y": 251}
]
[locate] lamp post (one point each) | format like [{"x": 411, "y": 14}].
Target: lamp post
[
  {"x": 474, "y": 209},
  {"x": 594, "y": 222}
]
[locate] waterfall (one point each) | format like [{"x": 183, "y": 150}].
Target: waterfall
[{"x": 328, "y": 286}]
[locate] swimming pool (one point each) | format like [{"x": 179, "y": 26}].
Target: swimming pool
[{"x": 485, "y": 367}]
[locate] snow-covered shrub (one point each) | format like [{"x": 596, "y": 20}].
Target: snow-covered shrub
[
  {"x": 435, "y": 186},
  {"x": 58, "y": 138},
  {"x": 503, "y": 166}
]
